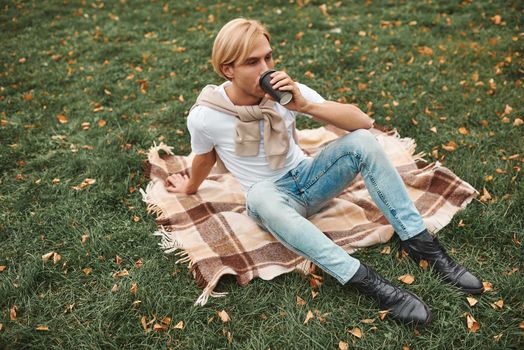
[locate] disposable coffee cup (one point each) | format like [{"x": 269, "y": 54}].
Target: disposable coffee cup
[{"x": 283, "y": 97}]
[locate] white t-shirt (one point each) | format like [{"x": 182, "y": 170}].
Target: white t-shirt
[{"x": 210, "y": 129}]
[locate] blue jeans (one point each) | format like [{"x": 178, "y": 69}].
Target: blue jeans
[{"x": 282, "y": 206}]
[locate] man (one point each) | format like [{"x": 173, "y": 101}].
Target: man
[{"x": 253, "y": 136}]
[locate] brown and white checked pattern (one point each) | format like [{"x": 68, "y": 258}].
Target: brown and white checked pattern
[{"x": 211, "y": 231}]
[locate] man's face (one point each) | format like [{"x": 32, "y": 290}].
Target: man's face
[{"x": 244, "y": 75}]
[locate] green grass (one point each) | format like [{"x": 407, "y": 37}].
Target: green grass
[{"x": 89, "y": 62}]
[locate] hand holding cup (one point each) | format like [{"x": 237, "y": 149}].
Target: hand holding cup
[{"x": 282, "y": 97}]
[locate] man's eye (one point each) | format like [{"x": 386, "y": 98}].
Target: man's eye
[{"x": 269, "y": 57}]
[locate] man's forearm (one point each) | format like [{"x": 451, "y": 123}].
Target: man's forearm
[
  {"x": 345, "y": 116},
  {"x": 200, "y": 169}
]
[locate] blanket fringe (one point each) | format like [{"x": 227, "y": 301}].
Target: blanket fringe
[
  {"x": 409, "y": 144},
  {"x": 208, "y": 292},
  {"x": 152, "y": 207},
  {"x": 168, "y": 243},
  {"x": 152, "y": 154}
]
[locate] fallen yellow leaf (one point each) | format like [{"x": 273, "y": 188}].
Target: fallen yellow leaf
[
  {"x": 143, "y": 322},
  {"x": 300, "y": 301},
  {"x": 62, "y": 119},
  {"x": 521, "y": 325},
  {"x": 2, "y": 268},
  {"x": 179, "y": 325},
  {"x": 473, "y": 325},
  {"x": 12, "y": 313},
  {"x": 224, "y": 316},
  {"x": 56, "y": 258},
  {"x": 518, "y": 122},
  {"x": 114, "y": 289},
  {"x": 485, "y": 197},
  {"x": 47, "y": 256},
  {"x": 367, "y": 321},
  {"x": 323, "y": 9},
  {"x": 382, "y": 314},
  {"x": 87, "y": 271},
  {"x": 309, "y": 316},
  {"x": 497, "y": 19},
  {"x": 122, "y": 273},
  {"x": 159, "y": 327},
  {"x": 167, "y": 320},
  {"x": 407, "y": 279},
  {"x": 423, "y": 264},
  {"x": 342, "y": 345},
  {"x": 386, "y": 250},
  {"x": 487, "y": 286},
  {"x": 498, "y": 305},
  {"x": 472, "y": 301},
  {"x": 450, "y": 146},
  {"x": 102, "y": 123},
  {"x": 357, "y": 332},
  {"x": 462, "y": 130},
  {"x": 134, "y": 288},
  {"x": 42, "y": 328},
  {"x": 84, "y": 184},
  {"x": 425, "y": 51}
]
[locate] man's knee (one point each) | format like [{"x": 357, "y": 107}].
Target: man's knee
[{"x": 362, "y": 141}]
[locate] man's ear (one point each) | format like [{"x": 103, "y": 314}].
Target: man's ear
[{"x": 228, "y": 71}]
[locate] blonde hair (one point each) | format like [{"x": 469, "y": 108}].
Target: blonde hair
[{"x": 235, "y": 41}]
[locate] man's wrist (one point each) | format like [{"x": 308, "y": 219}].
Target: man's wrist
[{"x": 306, "y": 108}]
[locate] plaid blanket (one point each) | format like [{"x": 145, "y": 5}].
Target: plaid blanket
[{"x": 212, "y": 233}]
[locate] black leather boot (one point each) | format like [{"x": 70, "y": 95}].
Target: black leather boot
[
  {"x": 402, "y": 305},
  {"x": 424, "y": 246}
]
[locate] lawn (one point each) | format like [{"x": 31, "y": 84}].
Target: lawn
[{"x": 86, "y": 87}]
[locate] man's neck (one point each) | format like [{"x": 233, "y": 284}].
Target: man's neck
[{"x": 239, "y": 98}]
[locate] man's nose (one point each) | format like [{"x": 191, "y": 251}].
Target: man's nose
[{"x": 264, "y": 67}]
